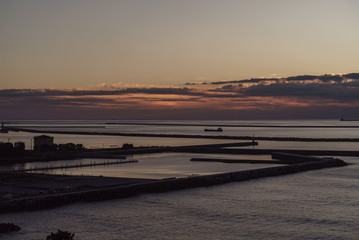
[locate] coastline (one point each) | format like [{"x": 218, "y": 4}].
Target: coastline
[{"x": 292, "y": 139}]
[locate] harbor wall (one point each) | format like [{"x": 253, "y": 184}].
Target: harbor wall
[{"x": 158, "y": 186}]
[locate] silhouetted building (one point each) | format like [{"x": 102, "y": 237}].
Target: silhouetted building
[
  {"x": 43, "y": 142},
  {"x": 19, "y": 146},
  {"x": 6, "y": 148}
]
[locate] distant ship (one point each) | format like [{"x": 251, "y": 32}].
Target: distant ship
[{"x": 213, "y": 130}]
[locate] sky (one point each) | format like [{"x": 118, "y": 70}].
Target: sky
[{"x": 167, "y": 59}]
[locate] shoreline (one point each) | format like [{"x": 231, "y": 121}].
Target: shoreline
[{"x": 290, "y": 139}]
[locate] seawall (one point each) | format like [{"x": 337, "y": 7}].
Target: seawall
[
  {"x": 49, "y": 201},
  {"x": 253, "y": 151}
]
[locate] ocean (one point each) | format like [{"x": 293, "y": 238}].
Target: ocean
[{"x": 321, "y": 204}]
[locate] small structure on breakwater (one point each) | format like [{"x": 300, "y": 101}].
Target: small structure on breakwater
[
  {"x": 3, "y": 129},
  {"x": 213, "y": 130}
]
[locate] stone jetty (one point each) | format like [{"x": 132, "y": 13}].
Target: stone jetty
[{"x": 156, "y": 186}]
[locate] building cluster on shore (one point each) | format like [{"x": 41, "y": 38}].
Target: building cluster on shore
[
  {"x": 9, "y": 148},
  {"x": 41, "y": 143}
]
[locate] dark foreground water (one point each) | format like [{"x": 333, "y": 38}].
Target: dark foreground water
[{"x": 321, "y": 204}]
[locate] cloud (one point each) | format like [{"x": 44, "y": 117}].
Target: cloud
[
  {"x": 251, "y": 80},
  {"x": 337, "y": 88},
  {"x": 139, "y": 98},
  {"x": 322, "y": 78},
  {"x": 351, "y": 75},
  {"x": 73, "y": 92},
  {"x": 260, "y": 94},
  {"x": 313, "y": 90}
]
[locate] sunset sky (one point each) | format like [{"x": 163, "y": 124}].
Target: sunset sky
[{"x": 166, "y": 59}]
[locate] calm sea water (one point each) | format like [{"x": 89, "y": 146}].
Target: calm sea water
[{"x": 320, "y": 204}]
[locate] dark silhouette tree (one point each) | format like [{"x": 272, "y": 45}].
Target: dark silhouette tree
[{"x": 61, "y": 235}]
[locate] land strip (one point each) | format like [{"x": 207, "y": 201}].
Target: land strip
[
  {"x": 291, "y": 139},
  {"x": 118, "y": 153},
  {"x": 107, "y": 153}
]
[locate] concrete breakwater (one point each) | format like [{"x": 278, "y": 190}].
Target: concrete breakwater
[
  {"x": 265, "y": 151},
  {"x": 236, "y": 125},
  {"x": 237, "y": 161},
  {"x": 278, "y": 158},
  {"x": 166, "y": 185},
  {"x": 294, "y": 158},
  {"x": 47, "y": 168}
]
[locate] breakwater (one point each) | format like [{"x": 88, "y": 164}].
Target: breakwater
[
  {"x": 47, "y": 168},
  {"x": 266, "y": 151},
  {"x": 220, "y": 145},
  {"x": 294, "y": 158},
  {"x": 232, "y": 125},
  {"x": 237, "y": 161},
  {"x": 292, "y": 139},
  {"x": 49, "y": 201},
  {"x": 278, "y": 158}
]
